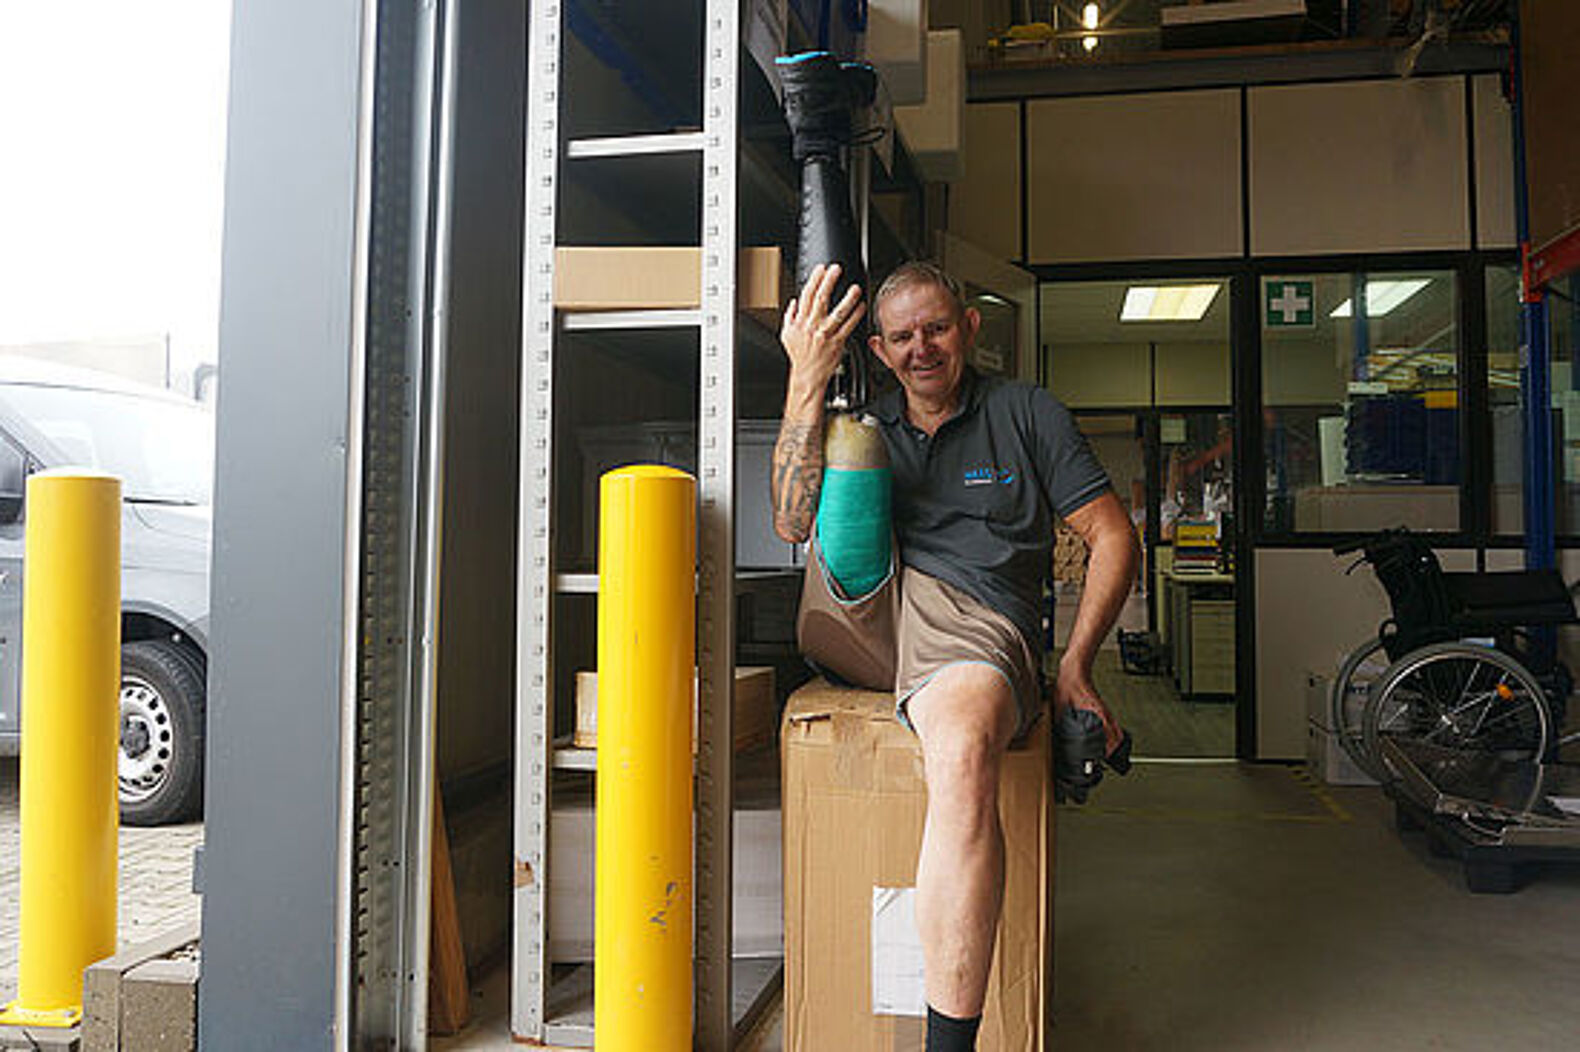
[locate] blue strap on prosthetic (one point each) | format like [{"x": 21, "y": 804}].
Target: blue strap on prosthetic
[{"x": 853, "y": 530}]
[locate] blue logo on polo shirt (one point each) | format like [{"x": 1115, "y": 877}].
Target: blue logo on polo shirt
[{"x": 988, "y": 476}]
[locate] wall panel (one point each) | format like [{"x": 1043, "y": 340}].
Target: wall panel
[
  {"x": 1104, "y": 376},
  {"x": 1494, "y": 164},
  {"x": 1310, "y": 615},
  {"x": 984, "y": 204},
  {"x": 1550, "y": 38},
  {"x": 1134, "y": 177},
  {"x": 1192, "y": 374},
  {"x": 1363, "y": 166}
]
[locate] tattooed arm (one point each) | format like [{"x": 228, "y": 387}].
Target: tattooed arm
[
  {"x": 798, "y": 468},
  {"x": 814, "y": 338}
]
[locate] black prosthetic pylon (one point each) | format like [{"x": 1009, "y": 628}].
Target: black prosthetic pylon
[
  {"x": 820, "y": 98},
  {"x": 828, "y": 235}
]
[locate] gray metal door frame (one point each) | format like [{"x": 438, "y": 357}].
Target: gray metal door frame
[{"x": 320, "y": 772}]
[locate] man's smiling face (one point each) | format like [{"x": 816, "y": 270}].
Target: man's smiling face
[{"x": 924, "y": 336}]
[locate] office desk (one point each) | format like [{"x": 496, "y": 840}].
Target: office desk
[{"x": 1199, "y": 629}]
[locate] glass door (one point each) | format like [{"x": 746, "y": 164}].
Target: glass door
[{"x": 1145, "y": 367}]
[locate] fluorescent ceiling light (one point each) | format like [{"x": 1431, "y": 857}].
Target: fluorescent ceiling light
[
  {"x": 1382, "y": 296},
  {"x": 1167, "y": 302}
]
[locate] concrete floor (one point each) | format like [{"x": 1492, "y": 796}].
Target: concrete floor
[
  {"x": 1231, "y": 907},
  {"x": 1234, "y": 907}
]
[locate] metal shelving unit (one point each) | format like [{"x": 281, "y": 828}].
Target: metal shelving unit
[{"x": 542, "y": 1010}]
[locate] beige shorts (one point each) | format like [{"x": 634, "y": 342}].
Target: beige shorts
[{"x": 906, "y": 632}]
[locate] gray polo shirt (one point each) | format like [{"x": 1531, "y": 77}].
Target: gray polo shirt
[{"x": 974, "y": 503}]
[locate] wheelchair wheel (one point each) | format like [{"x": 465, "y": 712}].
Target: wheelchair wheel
[
  {"x": 1461, "y": 696},
  {"x": 1347, "y": 700}
]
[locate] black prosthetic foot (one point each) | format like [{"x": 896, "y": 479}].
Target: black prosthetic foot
[
  {"x": 1079, "y": 753},
  {"x": 821, "y": 97}
]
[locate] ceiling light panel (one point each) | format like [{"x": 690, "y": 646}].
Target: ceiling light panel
[
  {"x": 1383, "y": 296},
  {"x": 1168, "y": 302}
]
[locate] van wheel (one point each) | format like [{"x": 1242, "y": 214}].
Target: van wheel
[{"x": 161, "y": 756}]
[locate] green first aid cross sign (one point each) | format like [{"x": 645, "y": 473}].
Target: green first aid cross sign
[{"x": 1289, "y": 305}]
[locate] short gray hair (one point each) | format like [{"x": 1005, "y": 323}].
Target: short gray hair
[{"x": 918, "y": 272}]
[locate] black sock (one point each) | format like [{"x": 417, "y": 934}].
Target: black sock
[{"x": 945, "y": 1033}]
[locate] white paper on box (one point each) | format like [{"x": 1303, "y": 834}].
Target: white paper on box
[{"x": 898, "y": 985}]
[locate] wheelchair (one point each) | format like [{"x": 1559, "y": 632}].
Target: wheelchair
[{"x": 1456, "y": 666}]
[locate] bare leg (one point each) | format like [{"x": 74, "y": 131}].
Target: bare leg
[{"x": 965, "y": 717}]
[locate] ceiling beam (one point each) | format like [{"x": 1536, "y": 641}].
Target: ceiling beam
[{"x": 1176, "y": 70}]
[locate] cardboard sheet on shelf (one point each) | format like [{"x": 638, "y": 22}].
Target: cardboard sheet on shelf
[{"x": 662, "y": 277}]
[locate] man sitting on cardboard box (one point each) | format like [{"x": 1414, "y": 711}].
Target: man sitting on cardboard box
[{"x": 977, "y": 467}]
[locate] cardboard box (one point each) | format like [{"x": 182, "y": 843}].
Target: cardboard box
[
  {"x": 754, "y": 713},
  {"x": 662, "y": 278},
  {"x": 854, "y": 803},
  {"x": 1324, "y": 754}
]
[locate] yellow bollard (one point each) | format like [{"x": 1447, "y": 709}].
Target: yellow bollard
[
  {"x": 71, "y": 668},
  {"x": 646, "y": 653}
]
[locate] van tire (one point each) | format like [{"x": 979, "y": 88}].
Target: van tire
[{"x": 160, "y": 758}]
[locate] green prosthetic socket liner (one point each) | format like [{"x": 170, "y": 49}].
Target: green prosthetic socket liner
[{"x": 853, "y": 530}]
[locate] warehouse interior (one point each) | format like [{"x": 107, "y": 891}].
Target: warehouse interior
[{"x": 1271, "y": 256}]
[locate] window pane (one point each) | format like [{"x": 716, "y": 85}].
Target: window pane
[
  {"x": 1503, "y": 382},
  {"x": 1198, "y": 472},
  {"x": 1503, "y": 396},
  {"x": 995, "y": 351},
  {"x": 1361, "y": 418},
  {"x": 1130, "y": 344},
  {"x": 1115, "y": 439},
  {"x": 1564, "y": 312}
]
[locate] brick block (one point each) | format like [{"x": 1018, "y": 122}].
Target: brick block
[
  {"x": 159, "y": 1007},
  {"x": 101, "y": 985}
]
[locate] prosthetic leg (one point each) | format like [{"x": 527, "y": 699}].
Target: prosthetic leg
[{"x": 821, "y": 97}]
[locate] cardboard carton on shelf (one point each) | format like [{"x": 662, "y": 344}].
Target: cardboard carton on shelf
[
  {"x": 662, "y": 277},
  {"x": 854, "y": 802},
  {"x": 754, "y": 713}
]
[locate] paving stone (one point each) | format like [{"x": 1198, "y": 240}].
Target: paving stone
[{"x": 41, "y": 1039}]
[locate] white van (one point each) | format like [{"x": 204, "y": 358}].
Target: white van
[{"x": 161, "y": 446}]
